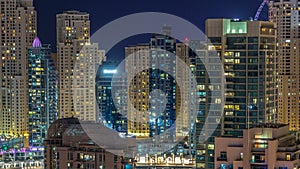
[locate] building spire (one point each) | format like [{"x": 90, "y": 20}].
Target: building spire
[{"x": 36, "y": 43}]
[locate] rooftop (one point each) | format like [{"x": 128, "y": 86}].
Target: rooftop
[{"x": 75, "y": 13}]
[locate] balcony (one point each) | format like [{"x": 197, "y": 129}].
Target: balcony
[
  {"x": 289, "y": 149},
  {"x": 222, "y": 159},
  {"x": 284, "y": 159},
  {"x": 258, "y": 161},
  {"x": 258, "y": 150}
]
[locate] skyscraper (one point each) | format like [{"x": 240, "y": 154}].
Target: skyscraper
[
  {"x": 18, "y": 31},
  {"x": 162, "y": 82},
  {"x": 152, "y": 89},
  {"x": 185, "y": 100},
  {"x": 137, "y": 58},
  {"x": 111, "y": 102},
  {"x": 182, "y": 52},
  {"x": 209, "y": 98},
  {"x": 77, "y": 61},
  {"x": 151, "y": 76},
  {"x": 43, "y": 92},
  {"x": 285, "y": 15},
  {"x": 247, "y": 50},
  {"x": 250, "y": 63}
]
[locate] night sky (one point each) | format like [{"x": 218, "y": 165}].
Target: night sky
[{"x": 105, "y": 11}]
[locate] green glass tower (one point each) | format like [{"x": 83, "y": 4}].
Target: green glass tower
[
  {"x": 43, "y": 92},
  {"x": 247, "y": 50}
]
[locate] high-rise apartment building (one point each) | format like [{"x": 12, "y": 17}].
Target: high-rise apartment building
[
  {"x": 182, "y": 52},
  {"x": 137, "y": 59},
  {"x": 209, "y": 98},
  {"x": 247, "y": 50},
  {"x": 43, "y": 92},
  {"x": 18, "y": 30},
  {"x": 285, "y": 15},
  {"x": 152, "y": 88},
  {"x": 185, "y": 100},
  {"x": 111, "y": 97},
  {"x": 152, "y": 84},
  {"x": 77, "y": 64},
  {"x": 162, "y": 83}
]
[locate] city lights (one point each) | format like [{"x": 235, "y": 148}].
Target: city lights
[{"x": 176, "y": 88}]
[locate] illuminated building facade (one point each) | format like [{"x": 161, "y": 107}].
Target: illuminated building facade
[
  {"x": 138, "y": 90},
  {"x": 207, "y": 122},
  {"x": 162, "y": 49},
  {"x": 22, "y": 158},
  {"x": 264, "y": 146},
  {"x": 18, "y": 31},
  {"x": 111, "y": 112},
  {"x": 77, "y": 63},
  {"x": 152, "y": 81},
  {"x": 247, "y": 50},
  {"x": 183, "y": 113},
  {"x": 182, "y": 52},
  {"x": 285, "y": 15},
  {"x": 43, "y": 92},
  {"x": 69, "y": 146},
  {"x": 151, "y": 74},
  {"x": 250, "y": 63}
]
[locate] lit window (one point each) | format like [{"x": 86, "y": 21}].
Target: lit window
[
  {"x": 218, "y": 101},
  {"x": 211, "y": 146},
  {"x": 201, "y": 87}
]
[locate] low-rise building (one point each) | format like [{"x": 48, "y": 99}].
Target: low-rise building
[
  {"x": 264, "y": 146},
  {"x": 68, "y": 146}
]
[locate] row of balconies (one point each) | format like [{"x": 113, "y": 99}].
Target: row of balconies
[{"x": 289, "y": 149}]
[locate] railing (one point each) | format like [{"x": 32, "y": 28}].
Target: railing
[
  {"x": 288, "y": 149},
  {"x": 258, "y": 150},
  {"x": 222, "y": 159},
  {"x": 258, "y": 161},
  {"x": 284, "y": 159}
]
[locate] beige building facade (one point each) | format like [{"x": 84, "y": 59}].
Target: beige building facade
[
  {"x": 285, "y": 15},
  {"x": 77, "y": 61},
  {"x": 18, "y": 29},
  {"x": 264, "y": 146}
]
